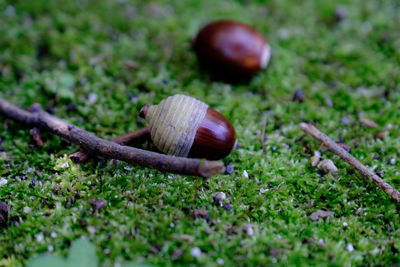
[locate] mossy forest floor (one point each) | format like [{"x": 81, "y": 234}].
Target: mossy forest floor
[{"x": 95, "y": 63}]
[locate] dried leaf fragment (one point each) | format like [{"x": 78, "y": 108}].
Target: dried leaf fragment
[
  {"x": 369, "y": 123},
  {"x": 320, "y": 214},
  {"x": 328, "y": 166},
  {"x": 315, "y": 159}
]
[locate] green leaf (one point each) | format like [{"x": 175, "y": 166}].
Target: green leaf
[
  {"x": 82, "y": 253},
  {"x": 47, "y": 261}
]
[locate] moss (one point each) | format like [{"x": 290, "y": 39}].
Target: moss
[{"x": 60, "y": 52}]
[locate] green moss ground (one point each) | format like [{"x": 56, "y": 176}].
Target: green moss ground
[{"x": 60, "y": 52}]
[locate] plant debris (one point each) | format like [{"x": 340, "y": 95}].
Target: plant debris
[
  {"x": 320, "y": 214},
  {"x": 328, "y": 166},
  {"x": 316, "y": 158},
  {"x": 369, "y": 123}
]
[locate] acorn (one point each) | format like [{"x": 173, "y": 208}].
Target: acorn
[
  {"x": 183, "y": 126},
  {"x": 232, "y": 48}
]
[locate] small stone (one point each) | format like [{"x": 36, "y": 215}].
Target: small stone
[
  {"x": 195, "y": 252},
  {"x": 91, "y": 229},
  {"x": 245, "y": 174},
  {"x": 350, "y": 247},
  {"x": 248, "y": 230},
  {"x": 92, "y": 98},
  {"x": 39, "y": 237},
  {"x": 128, "y": 168},
  {"x": 219, "y": 197},
  {"x": 345, "y": 120},
  {"x": 298, "y": 96},
  {"x": 27, "y": 210},
  {"x": 229, "y": 168},
  {"x": 262, "y": 190},
  {"x": 65, "y": 165},
  {"x": 328, "y": 102},
  {"x": 3, "y": 181},
  {"x": 320, "y": 214},
  {"x": 328, "y": 166},
  {"x": 316, "y": 158}
]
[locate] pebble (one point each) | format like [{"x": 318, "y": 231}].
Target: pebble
[
  {"x": 40, "y": 237},
  {"x": 350, "y": 247},
  {"x": 92, "y": 98},
  {"x": 27, "y": 210},
  {"x": 229, "y": 168},
  {"x": 3, "y": 181},
  {"x": 195, "y": 252},
  {"x": 298, "y": 96},
  {"x": 262, "y": 190},
  {"x": 219, "y": 197},
  {"x": 65, "y": 165},
  {"x": 91, "y": 229},
  {"x": 248, "y": 230}
]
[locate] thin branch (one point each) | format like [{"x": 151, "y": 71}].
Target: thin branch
[
  {"x": 135, "y": 137},
  {"x": 338, "y": 150},
  {"x": 107, "y": 149}
]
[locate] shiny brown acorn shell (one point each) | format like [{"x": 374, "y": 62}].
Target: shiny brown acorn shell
[
  {"x": 232, "y": 48},
  {"x": 184, "y": 126}
]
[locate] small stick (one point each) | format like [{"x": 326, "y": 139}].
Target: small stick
[
  {"x": 335, "y": 148},
  {"x": 99, "y": 147},
  {"x": 136, "y": 137},
  {"x": 35, "y": 133}
]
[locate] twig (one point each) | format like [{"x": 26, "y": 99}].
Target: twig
[
  {"x": 35, "y": 133},
  {"x": 335, "y": 148},
  {"x": 135, "y": 137},
  {"x": 107, "y": 149}
]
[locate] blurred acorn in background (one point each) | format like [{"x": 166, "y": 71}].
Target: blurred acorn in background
[{"x": 231, "y": 49}]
